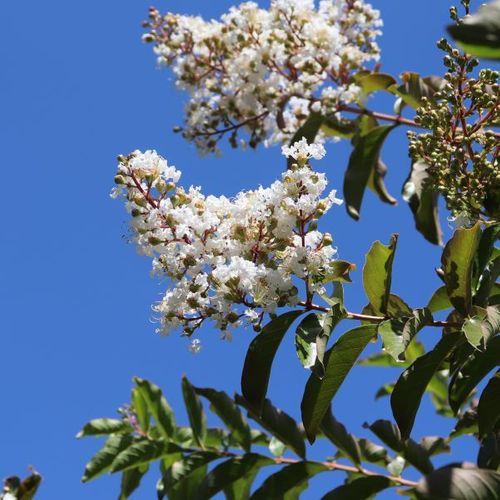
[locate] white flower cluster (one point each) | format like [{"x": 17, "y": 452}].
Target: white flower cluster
[
  {"x": 263, "y": 70},
  {"x": 228, "y": 260}
]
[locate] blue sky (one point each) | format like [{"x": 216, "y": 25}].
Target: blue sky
[{"x": 77, "y": 87}]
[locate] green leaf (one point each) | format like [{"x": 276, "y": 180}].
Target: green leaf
[
  {"x": 395, "y": 467},
  {"x": 141, "y": 452},
  {"x": 230, "y": 471},
  {"x": 334, "y": 126},
  {"x": 372, "y": 82},
  {"x": 28, "y": 487},
  {"x": 411, "y": 385},
  {"x": 225, "y": 408},
  {"x": 104, "y": 426},
  {"x": 385, "y": 390},
  {"x": 131, "y": 480},
  {"x": 439, "y": 300},
  {"x": 279, "y": 423},
  {"x": 488, "y": 409},
  {"x": 260, "y": 357},
  {"x": 438, "y": 389},
  {"x": 459, "y": 484},
  {"x": 472, "y": 329},
  {"x": 414, "y": 453},
  {"x": 489, "y": 452},
  {"x": 279, "y": 484},
  {"x": 397, "y": 333},
  {"x": 359, "y": 489},
  {"x": 363, "y": 161},
  {"x": 240, "y": 489},
  {"x": 183, "y": 478},
  {"x": 338, "y": 435},
  {"x": 373, "y": 453},
  {"x": 339, "y": 360},
  {"x": 377, "y": 273},
  {"x": 477, "y": 366},
  {"x": 466, "y": 424},
  {"x": 457, "y": 260},
  {"x": 435, "y": 445},
  {"x": 102, "y": 460},
  {"x": 423, "y": 202},
  {"x": 414, "y": 88},
  {"x": 377, "y": 185},
  {"x": 157, "y": 406},
  {"x": 309, "y": 130},
  {"x": 194, "y": 408},
  {"x": 479, "y": 34},
  {"x": 337, "y": 270},
  {"x": 308, "y": 331},
  {"x": 140, "y": 408},
  {"x": 276, "y": 447}
]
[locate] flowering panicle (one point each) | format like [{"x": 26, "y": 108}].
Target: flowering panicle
[
  {"x": 229, "y": 260},
  {"x": 265, "y": 70}
]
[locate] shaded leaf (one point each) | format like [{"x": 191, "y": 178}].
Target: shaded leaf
[
  {"x": 194, "y": 408},
  {"x": 260, "y": 357},
  {"x": 377, "y": 274},
  {"x": 411, "y": 385},
  {"x": 339, "y": 360},
  {"x": 488, "y": 409},
  {"x": 308, "y": 330},
  {"x": 225, "y": 408},
  {"x": 435, "y": 445},
  {"x": 157, "y": 406},
  {"x": 359, "y": 489},
  {"x": 131, "y": 480},
  {"x": 423, "y": 202},
  {"x": 372, "y": 452},
  {"x": 364, "y": 159},
  {"x": 479, "y": 34},
  {"x": 28, "y": 486},
  {"x": 414, "y": 88},
  {"x": 335, "y": 126},
  {"x": 279, "y": 423},
  {"x": 377, "y": 185},
  {"x": 489, "y": 452},
  {"x": 459, "y": 484},
  {"x": 338, "y": 435},
  {"x": 457, "y": 260},
  {"x": 279, "y": 484}
]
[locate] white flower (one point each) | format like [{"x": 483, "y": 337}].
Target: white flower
[{"x": 195, "y": 346}]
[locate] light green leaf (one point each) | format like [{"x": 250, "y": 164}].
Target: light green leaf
[
  {"x": 225, "y": 408},
  {"x": 371, "y": 82},
  {"x": 457, "y": 260},
  {"x": 396, "y": 466},
  {"x": 308, "y": 330},
  {"x": 276, "y": 447},
  {"x": 472, "y": 329},
  {"x": 377, "y": 273},
  {"x": 140, "y": 408},
  {"x": 157, "y": 406},
  {"x": 339, "y": 360},
  {"x": 439, "y": 300},
  {"x": 260, "y": 357}
]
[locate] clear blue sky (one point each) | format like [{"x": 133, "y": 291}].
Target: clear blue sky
[{"x": 77, "y": 87}]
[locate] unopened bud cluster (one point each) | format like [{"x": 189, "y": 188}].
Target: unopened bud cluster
[
  {"x": 461, "y": 149},
  {"x": 228, "y": 260},
  {"x": 264, "y": 71}
]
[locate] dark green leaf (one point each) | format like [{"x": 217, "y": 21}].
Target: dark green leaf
[
  {"x": 194, "y": 408},
  {"x": 338, "y": 127},
  {"x": 104, "y": 426},
  {"x": 377, "y": 185},
  {"x": 434, "y": 445},
  {"x": 338, "y": 435},
  {"x": 225, "y": 408},
  {"x": 141, "y": 452},
  {"x": 308, "y": 330},
  {"x": 466, "y": 424},
  {"x": 479, "y": 34},
  {"x": 377, "y": 274},
  {"x": 102, "y": 460},
  {"x": 439, "y": 300},
  {"x": 230, "y": 471},
  {"x": 457, "y": 260},
  {"x": 260, "y": 357},
  {"x": 363, "y": 161},
  {"x": 459, "y": 484},
  {"x": 411, "y": 451},
  {"x": 372, "y": 452},
  {"x": 488, "y": 409},
  {"x": 489, "y": 452},
  {"x": 278, "y": 485},
  {"x": 131, "y": 480},
  {"x": 339, "y": 360},
  {"x": 359, "y": 489},
  {"x": 418, "y": 193},
  {"x": 157, "y": 406},
  {"x": 279, "y": 423},
  {"x": 414, "y": 88},
  {"x": 28, "y": 487},
  {"x": 240, "y": 489},
  {"x": 411, "y": 385},
  {"x": 478, "y": 365}
]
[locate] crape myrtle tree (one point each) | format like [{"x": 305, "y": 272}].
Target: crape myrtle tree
[{"x": 300, "y": 74}]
